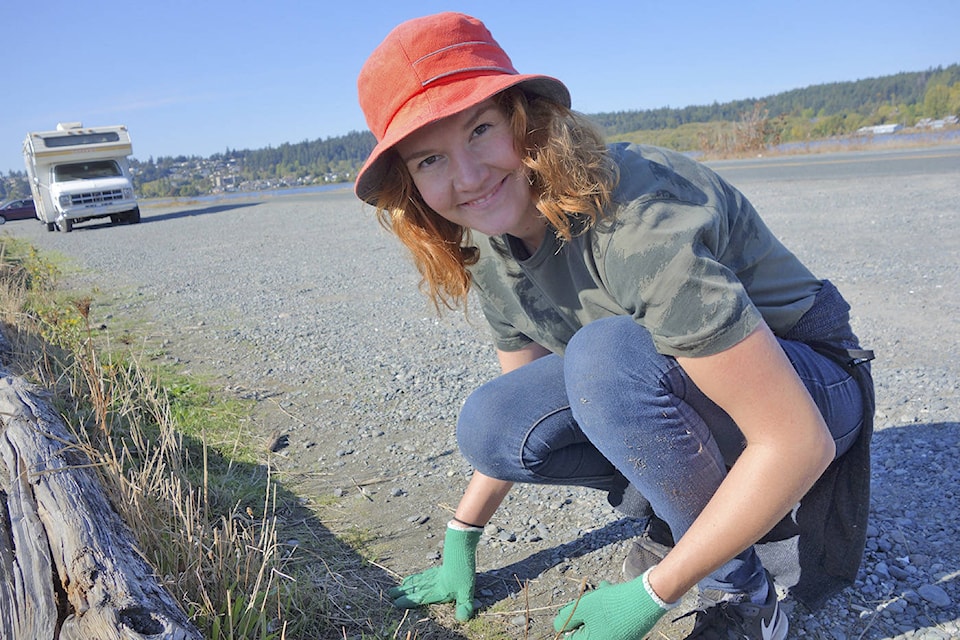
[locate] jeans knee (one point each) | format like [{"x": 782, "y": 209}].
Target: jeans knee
[
  {"x": 596, "y": 343},
  {"x": 604, "y": 351},
  {"x": 475, "y": 425}
]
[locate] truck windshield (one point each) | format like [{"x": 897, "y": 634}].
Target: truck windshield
[{"x": 86, "y": 170}]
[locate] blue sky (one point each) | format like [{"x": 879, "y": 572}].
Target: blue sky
[{"x": 198, "y": 77}]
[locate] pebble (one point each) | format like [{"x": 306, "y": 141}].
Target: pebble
[
  {"x": 935, "y": 595},
  {"x": 898, "y": 573}
]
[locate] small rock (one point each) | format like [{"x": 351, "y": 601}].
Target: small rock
[
  {"x": 519, "y": 621},
  {"x": 934, "y": 595},
  {"x": 898, "y": 573}
]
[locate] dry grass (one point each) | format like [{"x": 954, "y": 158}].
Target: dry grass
[{"x": 241, "y": 553}]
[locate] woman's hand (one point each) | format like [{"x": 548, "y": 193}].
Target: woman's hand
[
  {"x": 452, "y": 581},
  {"x": 625, "y": 611}
]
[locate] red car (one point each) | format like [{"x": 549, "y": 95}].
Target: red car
[{"x": 18, "y": 210}]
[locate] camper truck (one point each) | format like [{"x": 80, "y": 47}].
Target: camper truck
[{"x": 79, "y": 174}]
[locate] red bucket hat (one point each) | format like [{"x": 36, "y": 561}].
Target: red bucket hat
[{"x": 427, "y": 69}]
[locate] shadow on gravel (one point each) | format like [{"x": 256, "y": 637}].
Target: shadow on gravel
[
  {"x": 499, "y": 583},
  {"x": 912, "y": 561},
  {"x": 171, "y": 215},
  {"x": 191, "y": 213}
]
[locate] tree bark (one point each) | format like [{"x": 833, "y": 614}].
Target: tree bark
[{"x": 69, "y": 566}]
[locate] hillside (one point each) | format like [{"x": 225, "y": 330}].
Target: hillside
[{"x": 895, "y": 98}]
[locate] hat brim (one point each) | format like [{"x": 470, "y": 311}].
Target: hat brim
[{"x": 439, "y": 102}]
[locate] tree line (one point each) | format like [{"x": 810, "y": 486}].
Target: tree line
[
  {"x": 868, "y": 97},
  {"x": 810, "y": 113},
  {"x": 335, "y": 159}
]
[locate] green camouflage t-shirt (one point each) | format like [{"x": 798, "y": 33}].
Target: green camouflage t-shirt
[{"x": 682, "y": 252}]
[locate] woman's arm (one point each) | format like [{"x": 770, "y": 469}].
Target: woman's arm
[
  {"x": 484, "y": 494},
  {"x": 480, "y": 499},
  {"x": 788, "y": 448}
]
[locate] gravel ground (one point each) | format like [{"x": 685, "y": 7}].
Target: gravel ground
[{"x": 302, "y": 302}]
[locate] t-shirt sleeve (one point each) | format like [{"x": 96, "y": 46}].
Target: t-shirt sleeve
[
  {"x": 506, "y": 337},
  {"x": 664, "y": 265}
]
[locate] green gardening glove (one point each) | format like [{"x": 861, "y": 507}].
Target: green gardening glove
[
  {"x": 452, "y": 581},
  {"x": 625, "y": 611}
]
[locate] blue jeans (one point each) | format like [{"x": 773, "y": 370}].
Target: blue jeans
[{"x": 636, "y": 413}]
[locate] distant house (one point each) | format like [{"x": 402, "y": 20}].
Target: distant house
[
  {"x": 930, "y": 123},
  {"x": 880, "y": 129}
]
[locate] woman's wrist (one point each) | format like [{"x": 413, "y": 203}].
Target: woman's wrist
[
  {"x": 653, "y": 592},
  {"x": 457, "y": 523}
]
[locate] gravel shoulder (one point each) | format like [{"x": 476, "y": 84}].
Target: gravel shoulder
[{"x": 302, "y": 302}]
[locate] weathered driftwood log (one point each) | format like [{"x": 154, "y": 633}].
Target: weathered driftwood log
[{"x": 69, "y": 568}]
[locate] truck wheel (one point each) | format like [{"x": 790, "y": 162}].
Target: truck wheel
[
  {"x": 66, "y": 225},
  {"x": 132, "y": 216},
  {"x": 51, "y": 226}
]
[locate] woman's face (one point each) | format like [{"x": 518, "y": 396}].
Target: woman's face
[{"x": 468, "y": 171}]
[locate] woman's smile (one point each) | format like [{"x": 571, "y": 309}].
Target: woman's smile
[{"x": 479, "y": 202}]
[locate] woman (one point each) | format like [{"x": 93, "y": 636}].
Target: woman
[{"x": 650, "y": 328}]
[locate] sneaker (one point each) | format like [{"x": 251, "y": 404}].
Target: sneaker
[
  {"x": 649, "y": 549},
  {"x": 733, "y": 620}
]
